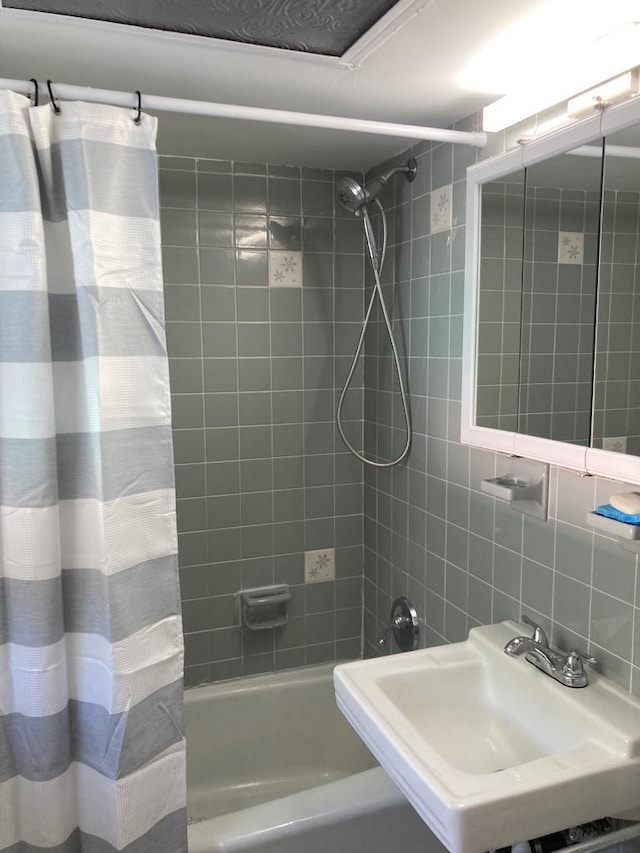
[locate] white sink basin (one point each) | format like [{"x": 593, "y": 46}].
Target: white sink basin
[{"x": 489, "y": 750}]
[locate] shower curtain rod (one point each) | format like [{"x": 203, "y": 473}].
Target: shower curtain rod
[{"x": 67, "y": 92}]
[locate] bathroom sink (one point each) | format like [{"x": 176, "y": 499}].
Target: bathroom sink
[{"x": 489, "y": 750}]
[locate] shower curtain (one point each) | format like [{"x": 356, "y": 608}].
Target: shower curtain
[{"x": 92, "y": 751}]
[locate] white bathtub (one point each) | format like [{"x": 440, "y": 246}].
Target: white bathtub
[{"x": 272, "y": 766}]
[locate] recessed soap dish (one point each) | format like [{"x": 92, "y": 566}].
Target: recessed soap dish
[
  {"x": 506, "y": 488},
  {"x": 264, "y": 608},
  {"x": 525, "y": 487}
]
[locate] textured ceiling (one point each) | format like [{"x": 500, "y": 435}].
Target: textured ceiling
[{"x": 327, "y": 27}]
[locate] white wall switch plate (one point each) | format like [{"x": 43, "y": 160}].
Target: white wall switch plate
[{"x": 319, "y": 565}]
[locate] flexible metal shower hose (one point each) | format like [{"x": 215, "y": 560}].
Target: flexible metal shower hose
[{"x": 377, "y": 265}]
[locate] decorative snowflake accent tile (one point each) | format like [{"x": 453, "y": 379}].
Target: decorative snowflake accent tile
[
  {"x": 441, "y": 208},
  {"x": 319, "y": 565},
  {"x": 618, "y": 443},
  {"x": 570, "y": 247},
  {"x": 285, "y": 269}
]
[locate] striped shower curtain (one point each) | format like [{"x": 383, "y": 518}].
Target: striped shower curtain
[{"x": 92, "y": 752}]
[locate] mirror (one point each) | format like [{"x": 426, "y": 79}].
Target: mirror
[
  {"x": 500, "y": 301},
  {"x": 552, "y": 341},
  {"x": 616, "y": 403},
  {"x": 537, "y": 293},
  {"x": 562, "y": 217}
]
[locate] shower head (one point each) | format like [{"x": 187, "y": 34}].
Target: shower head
[{"x": 353, "y": 196}]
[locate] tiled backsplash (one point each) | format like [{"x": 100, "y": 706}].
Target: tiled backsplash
[
  {"x": 263, "y": 287},
  {"x": 463, "y": 557}
]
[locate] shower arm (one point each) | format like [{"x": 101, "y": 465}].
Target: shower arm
[{"x": 377, "y": 289}]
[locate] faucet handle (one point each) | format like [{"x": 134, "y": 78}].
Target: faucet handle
[
  {"x": 539, "y": 635},
  {"x": 573, "y": 671},
  {"x": 575, "y": 660},
  {"x": 403, "y": 624}
]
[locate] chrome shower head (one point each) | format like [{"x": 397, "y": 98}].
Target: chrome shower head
[{"x": 353, "y": 196}]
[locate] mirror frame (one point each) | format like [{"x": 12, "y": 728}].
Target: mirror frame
[{"x": 586, "y": 460}]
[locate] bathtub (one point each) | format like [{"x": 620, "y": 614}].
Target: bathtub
[{"x": 273, "y": 767}]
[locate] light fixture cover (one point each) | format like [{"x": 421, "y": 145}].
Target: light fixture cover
[
  {"x": 609, "y": 92},
  {"x": 604, "y": 59}
]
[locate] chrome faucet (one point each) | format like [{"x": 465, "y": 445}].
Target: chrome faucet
[{"x": 567, "y": 668}]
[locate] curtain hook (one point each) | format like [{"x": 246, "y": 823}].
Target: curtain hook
[
  {"x": 54, "y": 105},
  {"x": 36, "y": 91},
  {"x": 138, "y": 117}
]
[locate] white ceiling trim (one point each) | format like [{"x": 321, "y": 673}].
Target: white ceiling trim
[{"x": 396, "y": 18}]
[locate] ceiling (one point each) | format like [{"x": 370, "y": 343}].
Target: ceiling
[
  {"x": 327, "y": 27},
  {"x": 410, "y": 76}
]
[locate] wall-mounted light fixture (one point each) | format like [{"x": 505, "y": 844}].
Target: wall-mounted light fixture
[
  {"x": 602, "y": 60},
  {"x": 607, "y": 93}
]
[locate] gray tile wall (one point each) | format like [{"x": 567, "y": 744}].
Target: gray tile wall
[
  {"x": 463, "y": 557},
  {"x": 260, "y": 474}
]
